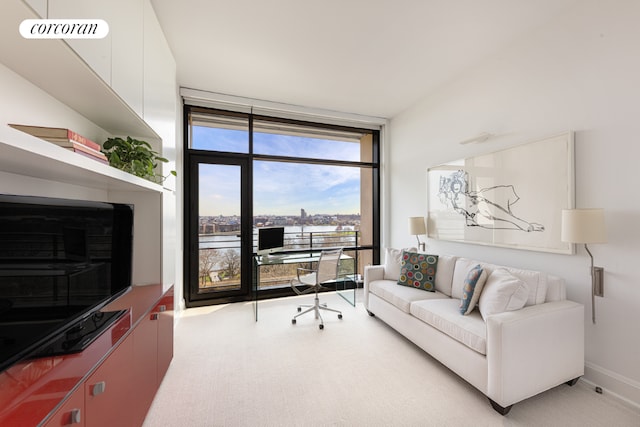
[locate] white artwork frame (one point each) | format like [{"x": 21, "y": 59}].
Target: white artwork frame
[{"x": 509, "y": 198}]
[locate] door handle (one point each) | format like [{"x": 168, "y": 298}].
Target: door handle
[
  {"x": 98, "y": 388},
  {"x": 75, "y": 416}
]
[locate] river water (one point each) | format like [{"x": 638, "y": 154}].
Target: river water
[{"x": 209, "y": 241}]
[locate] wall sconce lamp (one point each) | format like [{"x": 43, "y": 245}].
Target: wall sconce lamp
[
  {"x": 586, "y": 226},
  {"x": 417, "y": 227}
]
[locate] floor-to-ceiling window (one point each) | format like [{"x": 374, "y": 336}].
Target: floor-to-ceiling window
[{"x": 320, "y": 182}]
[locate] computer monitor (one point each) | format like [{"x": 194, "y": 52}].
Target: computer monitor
[{"x": 270, "y": 240}]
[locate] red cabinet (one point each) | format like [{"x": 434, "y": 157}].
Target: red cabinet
[
  {"x": 145, "y": 362},
  {"x": 165, "y": 333},
  {"x": 153, "y": 351},
  {"x": 111, "y": 383},
  {"x": 108, "y": 392},
  {"x": 71, "y": 413}
]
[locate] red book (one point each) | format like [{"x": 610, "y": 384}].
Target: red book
[
  {"x": 77, "y": 147},
  {"x": 59, "y": 136},
  {"x": 91, "y": 156}
]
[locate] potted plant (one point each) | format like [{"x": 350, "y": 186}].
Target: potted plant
[{"x": 134, "y": 156}]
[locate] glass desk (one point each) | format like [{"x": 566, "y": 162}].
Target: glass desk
[{"x": 345, "y": 285}]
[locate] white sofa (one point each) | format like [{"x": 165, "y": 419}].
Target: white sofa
[{"x": 509, "y": 356}]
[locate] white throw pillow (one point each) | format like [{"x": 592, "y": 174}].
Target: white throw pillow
[
  {"x": 502, "y": 292},
  {"x": 393, "y": 262}
]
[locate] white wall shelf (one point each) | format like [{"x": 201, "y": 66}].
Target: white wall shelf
[{"x": 24, "y": 154}]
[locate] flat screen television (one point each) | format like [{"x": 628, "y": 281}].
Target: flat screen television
[
  {"x": 61, "y": 261},
  {"x": 270, "y": 240}
]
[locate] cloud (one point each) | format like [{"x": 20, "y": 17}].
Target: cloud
[
  {"x": 219, "y": 189},
  {"x": 284, "y": 188},
  {"x": 312, "y": 148},
  {"x": 217, "y": 139},
  {"x": 279, "y": 188}
]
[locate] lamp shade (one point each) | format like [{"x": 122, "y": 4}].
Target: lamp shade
[
  {"x": 417, "y": 225},
  {"x": 583, "y": 226}
]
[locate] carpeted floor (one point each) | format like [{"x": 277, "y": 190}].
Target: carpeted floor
[{"x": 229, "y": 370}]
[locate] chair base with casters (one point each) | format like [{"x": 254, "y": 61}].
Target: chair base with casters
[
  {"x": 315, "y": 307},
  {"x": 326, "y": 271}
]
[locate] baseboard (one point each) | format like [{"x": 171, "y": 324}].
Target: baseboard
[{"x": 619, "y": 387}]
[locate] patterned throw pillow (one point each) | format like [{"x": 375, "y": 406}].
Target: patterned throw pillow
[
  {"x": 418, "y": 271},
  {"x": 473, "y": 285}
]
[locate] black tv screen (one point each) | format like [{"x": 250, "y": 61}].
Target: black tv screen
[{"x": 60, "y": 262}]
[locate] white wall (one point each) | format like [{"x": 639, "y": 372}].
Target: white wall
[{"x": 581, "y": 73}]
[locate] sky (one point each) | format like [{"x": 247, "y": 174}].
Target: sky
[{"x": 279, "y": 188}]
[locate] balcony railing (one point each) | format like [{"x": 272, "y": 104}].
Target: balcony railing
[
  {"x": 293, "y": 241},
  {"x": 277, "y": 275},
  {"x": 304, "y": 241}
]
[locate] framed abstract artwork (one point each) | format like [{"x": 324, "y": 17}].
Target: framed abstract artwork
[{"x": 510, "y": 198}]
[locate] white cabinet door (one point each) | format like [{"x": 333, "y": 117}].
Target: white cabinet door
[
  {"x": 171, "y": 235},
  {"x": 95, "y": 52},
  {"x": 40, "y": 6},
  {"x": 127, "y": 56},
  {"x": 159, "y": 78}
]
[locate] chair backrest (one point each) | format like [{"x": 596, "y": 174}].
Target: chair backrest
[{"x": 328, "y": 265}]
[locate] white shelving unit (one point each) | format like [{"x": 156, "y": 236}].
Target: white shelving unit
[{"x": 31, "y": 166}]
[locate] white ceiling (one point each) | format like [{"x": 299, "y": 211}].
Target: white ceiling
[{"x": 369, "y": 57}]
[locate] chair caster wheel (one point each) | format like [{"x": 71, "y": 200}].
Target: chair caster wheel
[
  {"x": 339, "y": 316},
  {"x": 321, "y": 326},
  {"x": 293, "y": 321},
  {"x": 299, "y": 309}
]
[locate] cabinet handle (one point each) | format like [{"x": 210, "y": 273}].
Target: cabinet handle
[
  {"x": 75, "y": 416},
  {"x": 162, "y": 308},
  {"x": 154, "y": 316},
  {"x": 98, "y": 388}
]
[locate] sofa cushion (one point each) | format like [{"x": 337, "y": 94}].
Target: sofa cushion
[
  {"x": 473, "y": 285},
  {"x": 393, "y": 262},
  {"x": 556, "y": 289},
  {"x": 535, "y": 280},
  {"x": 502, "y": 292},
  {"x": 418, "y": 271},
  {"x": 444, "y": 278},
  {"x": 400, "y": 296},
  {"x": 443, "y": 314}
]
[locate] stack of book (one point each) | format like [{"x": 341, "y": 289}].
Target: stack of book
[{"x": 66, "y": 138}]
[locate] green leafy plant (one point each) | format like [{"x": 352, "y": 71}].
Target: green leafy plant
[{"x": 134, "y": 156}]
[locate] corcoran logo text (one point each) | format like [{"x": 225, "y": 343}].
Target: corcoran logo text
[{"x": 64, "y": 28}]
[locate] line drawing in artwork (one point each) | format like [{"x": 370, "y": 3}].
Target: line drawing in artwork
[{"x": 486, "y": 208}]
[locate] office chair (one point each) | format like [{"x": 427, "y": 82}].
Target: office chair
[{"x": 326, "y": 271}]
